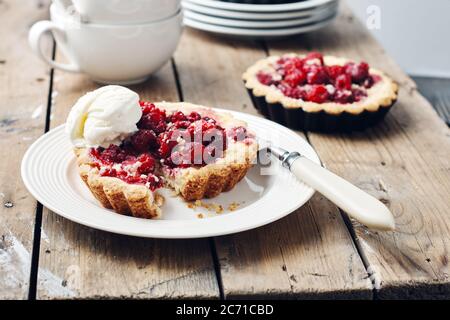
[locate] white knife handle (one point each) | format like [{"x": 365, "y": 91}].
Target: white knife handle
[{"x": 355, "y": 202}]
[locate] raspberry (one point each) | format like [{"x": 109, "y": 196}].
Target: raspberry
[
  {"x": 167, "y": 142},
  {"x": 315, "y": 56},
  {"x": 295, "y": 93},
  {"x": 194, "y": 116},
  {"x": 343, "y": 82},
  {"x": 154, "y": 182},
  {"x": 295, "y": 78},
  {"x": 147, "y": 164},
  {"x": 317, "y": 75},
  {"x": 359, "y": 94},
  {"x": 143, "y": 140},
  {"x": 344, "y": 96},
  {"x": 281, "y": 61},
  {"x": 368, "y": 83},
  {"x": 358, "y": 72},
  {"x": 318, "y": 94},
  {"x": 288, "y": 91},
  {"x": 182, "y": 124},
  {"x": 108, "y": 172},
  {"x": 146, "y": 107},
  {"x": 335, "y": 71},
  {"x": 177, "y": 116},
  {"x": 163, "y": 150},
  {"x": 112, "y": 154},
  {"x": 264, "y": 78},
  {"x": 291, "y": 64},
  {"x": 375, "y": 78},
  {"x": 197, "y": 129},
  {"x": 154, "y": 120}
]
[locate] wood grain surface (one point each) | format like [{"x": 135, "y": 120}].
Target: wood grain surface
[{"x": 24, "y": 82}]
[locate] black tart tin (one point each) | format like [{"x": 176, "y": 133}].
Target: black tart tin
[{"x": 297, "y": 119}]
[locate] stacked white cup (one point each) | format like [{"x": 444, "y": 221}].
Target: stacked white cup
[{"x": 112, "y": 41}]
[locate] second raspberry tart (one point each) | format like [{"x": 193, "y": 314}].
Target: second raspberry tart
[{"x": 313, "y": 92}]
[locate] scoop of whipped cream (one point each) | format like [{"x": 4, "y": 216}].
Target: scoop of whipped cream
[{"x": 104, "y": 116}]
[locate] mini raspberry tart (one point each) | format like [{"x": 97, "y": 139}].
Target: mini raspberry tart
[
  {"x": 320, "y": 93},
  {"x": 191, "y": 149}
]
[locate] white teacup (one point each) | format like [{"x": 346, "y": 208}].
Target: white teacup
[
  {"x": 125, "y": 11},
  {"x": 120, "y": 54}
]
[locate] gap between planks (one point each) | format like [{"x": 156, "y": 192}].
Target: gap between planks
[{"x": 32, "y": 288}]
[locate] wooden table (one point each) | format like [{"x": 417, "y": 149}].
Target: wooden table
[{"x": 316, "y": 252}]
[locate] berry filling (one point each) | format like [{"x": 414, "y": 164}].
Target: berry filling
[
  {"x": 311, "y": 80},
  {"x": 175, "y": 140}
]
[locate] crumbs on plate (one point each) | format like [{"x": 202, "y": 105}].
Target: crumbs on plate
[
  {"x": 217, "y": 208},
  {"x": 233, "y": 206},
  {"x": 212, "y": 207}
]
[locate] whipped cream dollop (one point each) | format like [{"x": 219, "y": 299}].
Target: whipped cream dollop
[{"x": 104, "y": 116}]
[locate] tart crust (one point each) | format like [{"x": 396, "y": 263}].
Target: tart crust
[
  {"x": 192, "y": 183},
  {"x": 113, "y": 193},
  {"x": 328, "y": 116}
]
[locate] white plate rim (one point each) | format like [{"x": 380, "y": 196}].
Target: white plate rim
[
  {"x": 260, "y": 7},
  {"x": 241, "y": 23},
  {"x": 255, "y": 15},
  {"x": 175, "y": 235},
  {"x": 256, "y": 32}
]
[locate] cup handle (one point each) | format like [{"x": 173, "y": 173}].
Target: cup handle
[{"x": 34, "y": 38}]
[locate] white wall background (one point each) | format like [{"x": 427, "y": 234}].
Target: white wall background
[{"x": 416, "y": 33}]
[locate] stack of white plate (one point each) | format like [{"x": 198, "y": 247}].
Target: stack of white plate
[{"x": 258, "y": 20}]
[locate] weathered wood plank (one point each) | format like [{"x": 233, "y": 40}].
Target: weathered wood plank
[
  {"x": 308, "y": 254},
  {"x": 79, "y": 262},
  {"x": 24, "y": 82},
  {"x": 404, "y": 161}
]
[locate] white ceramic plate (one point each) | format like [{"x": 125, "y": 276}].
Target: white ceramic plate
[
  {"x": 256, "y": 24},
  {"x": 301, "y": 5},
  {"x": 50, "y": 173},
  {"x": 258, "y": 16},
  {"x": 256, "y": 33}
]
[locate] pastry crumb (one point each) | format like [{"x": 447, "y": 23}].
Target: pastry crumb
[
  {"x": 213, "y": 207},
  {"x": 233, "y": 206},
  {"x": 191, "y": 205},
  {"x": 208, "y": 206},
  {"x": 218, "y": 208},
  {"x": 200, "y": 215}
]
